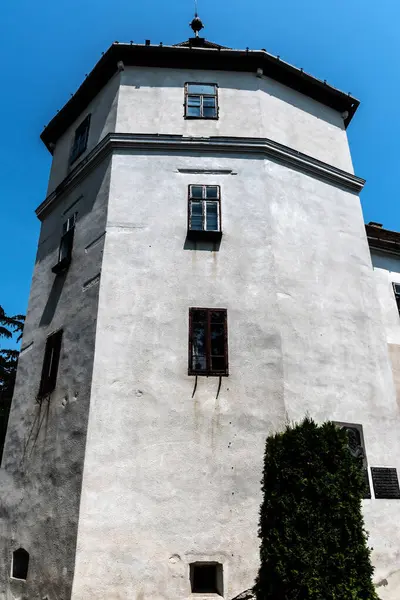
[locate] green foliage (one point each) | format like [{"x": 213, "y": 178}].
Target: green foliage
[
  {"x": 9, "y": 326},
  {"x": 313, "y": 542}
]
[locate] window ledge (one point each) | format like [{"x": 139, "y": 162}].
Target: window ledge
[
  {"x": 61, "y": 266},
  {"x": 208, "y": 236},
  {"x": 209, "y": 373},
  {"x": 202, "y": 119}
]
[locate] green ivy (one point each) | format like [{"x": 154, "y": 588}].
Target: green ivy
[{"x": 313, "y": 541}]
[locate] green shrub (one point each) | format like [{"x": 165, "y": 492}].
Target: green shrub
[{"x": 313, "y": 542}]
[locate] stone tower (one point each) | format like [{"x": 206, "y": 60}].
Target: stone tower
[{"x": 202, "y": 276}]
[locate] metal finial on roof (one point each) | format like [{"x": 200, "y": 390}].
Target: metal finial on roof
[{"x": 197, "y": 23}]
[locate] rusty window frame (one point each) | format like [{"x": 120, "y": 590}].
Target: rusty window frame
[
  {"x": 192, "y": 370},
  {"x": 204, "y": 201},
  {"x": 202, "y": 96}
]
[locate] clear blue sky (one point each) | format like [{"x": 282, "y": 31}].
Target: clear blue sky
[{"x": 47, "y": 46}]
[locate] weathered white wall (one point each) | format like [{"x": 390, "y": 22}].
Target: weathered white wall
[
  {"x": 387, "y": 271},
  {"x": 41, "y": 471},
  {"x": 103, "y": 111},
  {"x": 151, "y": 100},
  {"x": 173, "y": 472}
]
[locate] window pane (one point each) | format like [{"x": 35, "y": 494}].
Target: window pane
[
  {"x": 196, "y": 191},
  {"x": 199, "y": 362},
  {"x": 201, "y": 88},
  {"x": 212, "y": 216},
  {"x": 211, "y": 191},
  {"x": 209, "y": 112},
  {"x": 199, "y": 315},
  {"x": 210, "y": 102},
  {"x": 194, "y": 101},
  {"x": 196, "y": 221},
  {"x": 218, "y": 363},
  {"x": 193, "y": 111},
  {"x": 218, "y": 316},
  {"x": 217, "y": 339}
]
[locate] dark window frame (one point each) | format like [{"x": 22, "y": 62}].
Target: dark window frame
[
  {"x": 51, "y": 362},
  {"x": 81, "y": 138},
  {"x": 396, "y": 294},
  {"x": 203, "y": 585},
  {"x": 203, "y": 234},
  {"x": 66, "y": 245},
  {"x": 202, "y": 96},
  {"x": 209, "y": 371}
]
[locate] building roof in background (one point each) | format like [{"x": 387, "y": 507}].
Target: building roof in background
[
  {"x": 382, "y": 239},
  {"x": 196, "y": 53}
]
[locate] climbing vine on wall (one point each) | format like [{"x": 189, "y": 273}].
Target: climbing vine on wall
[{"x": 313, "y": 542}]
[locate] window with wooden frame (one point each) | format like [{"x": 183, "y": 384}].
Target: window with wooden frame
[
  {"x": 204, "y": 212},
  {"x": 50, "y": 364},
  {"x": 66, "y": 243},
  {"x": 396, "y": 290},
  {"x": 80, "y": 140},
  {"x": 208, "y": 341},
  {"x": 201, "y": 101}
]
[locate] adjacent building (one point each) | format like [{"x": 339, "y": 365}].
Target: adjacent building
[{"x": 202, "y": 278}]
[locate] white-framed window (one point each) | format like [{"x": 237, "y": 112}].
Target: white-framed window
[
  {"x": 204, "y": 209},
  {"x": 201, "y": 101}
]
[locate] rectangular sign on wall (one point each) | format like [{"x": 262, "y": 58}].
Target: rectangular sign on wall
[{"x": 386, "y": 482}]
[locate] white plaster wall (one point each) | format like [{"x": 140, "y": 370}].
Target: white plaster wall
[
  {"x": 387, "y": 271},
  {"x": 173, "y": 472},
  {"x": 152, "y": 101},
  {"x": 103, "y": 111}
]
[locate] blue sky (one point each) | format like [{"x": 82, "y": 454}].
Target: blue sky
[{"x": 46, "y": 47}]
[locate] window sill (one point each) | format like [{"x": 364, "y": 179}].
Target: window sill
[
  {"x": 207, "y": 236},
  {"x": 61, "y": 266},
  {"x": 209, "y": 373},
  {"x": 201, "y": 118}
]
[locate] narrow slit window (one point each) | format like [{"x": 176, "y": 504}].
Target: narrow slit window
[
  {"x": 50, "y": 364},
  {"x": 201, "y": 101},
  {"x": 208, "y": 341},
  {"x": 66, "y": 244},
  {"x": 204, "y": 212},
  {"x": 20, "y": 564},
  {"x": 80, "y": 140}
]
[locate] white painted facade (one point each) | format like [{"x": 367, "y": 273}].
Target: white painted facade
[{"x": 171, "y": 469}]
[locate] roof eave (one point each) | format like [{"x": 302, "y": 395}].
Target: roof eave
[{"x": 195, "y": 58}]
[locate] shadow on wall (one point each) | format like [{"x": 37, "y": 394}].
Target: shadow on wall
[
  {"x": 53, "y": 299},
  {"x": 201, "y": 246},
  {"x": 83, "y": 199}
]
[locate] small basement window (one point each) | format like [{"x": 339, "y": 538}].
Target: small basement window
[
  {"x": 80, "y": 140},
  {"x": 50, "y": 364},
  {"x": 20, "y": 564},
  {"x": 206, "y": 578},
  {"x": 396, "y": 289},
  {"x": 204, "y": 212},
  {"x": 201, "y": 101},
  {"x": 66, "y": 243}
]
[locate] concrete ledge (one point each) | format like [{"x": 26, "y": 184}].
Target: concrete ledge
[{"x": 114, "y": 142}]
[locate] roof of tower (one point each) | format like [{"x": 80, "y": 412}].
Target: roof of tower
[
  {"x": 382, "y": 239},
  {"x": 195, "y": 53}
]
